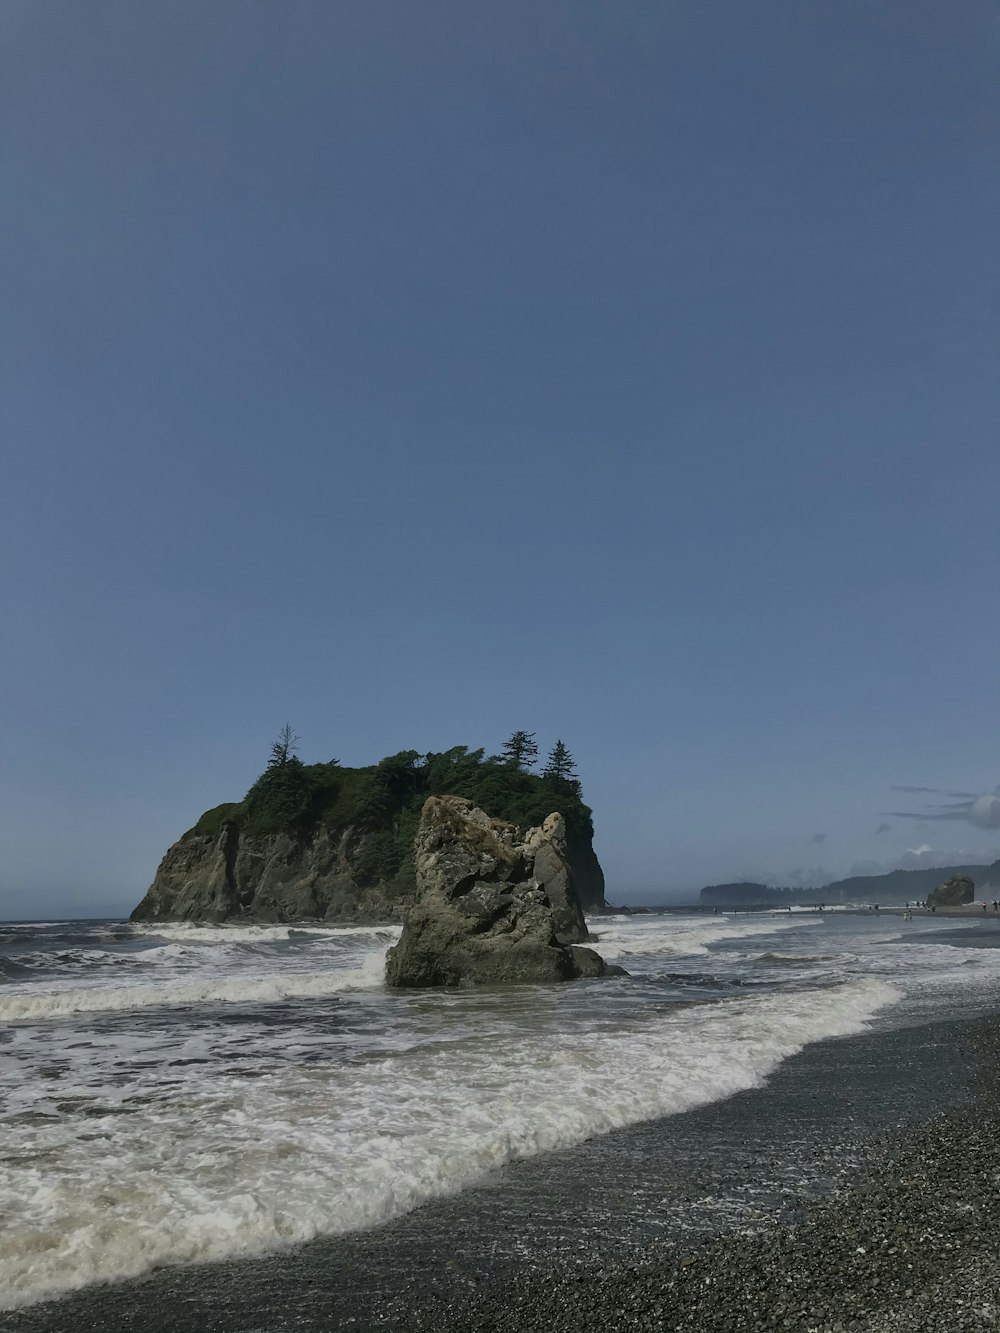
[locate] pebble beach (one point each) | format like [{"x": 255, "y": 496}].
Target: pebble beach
[{"x": 905, "y": 1246}]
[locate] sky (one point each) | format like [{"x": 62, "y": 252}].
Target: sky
[{"x": 417, "y": 373}]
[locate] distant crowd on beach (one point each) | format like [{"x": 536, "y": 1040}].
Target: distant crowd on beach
[
  {"x": 918, "y": 905},
  {"x": 924, "y": 906}
]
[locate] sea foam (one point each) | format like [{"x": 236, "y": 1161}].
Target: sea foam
[
  {"x": 212, "y": 1166},
  {"x": 30, "y": 1006},
  {"x": 620, "y": 937}
]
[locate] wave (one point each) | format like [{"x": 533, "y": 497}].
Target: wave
[
  {"x": 59, "y": 960},
  {"x": 671, "y": 936},
  {"x": 239, "y": 1167},
  {"x": 70, "y": 939},
  {"x": 84, "y": 960},
  {"x": 35, "y": 925},
  {"x": 225, "y": 934},
  {"x": 11, "y": 967},
  {"x": 160, "y": 953},
  {"x": 775, "y": 957},
  {"x": 40, "y": 1005}
]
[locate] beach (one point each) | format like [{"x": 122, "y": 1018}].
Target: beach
[
  {"x": 906, "y": 1242},
  {"x": 700, "y": 1216}
]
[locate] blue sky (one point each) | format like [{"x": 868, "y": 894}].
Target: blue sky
[{"x": 415, "y": 373}]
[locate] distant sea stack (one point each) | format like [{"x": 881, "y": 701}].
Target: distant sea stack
[
  {"x": 896, "y": 886},
  {"x": 491, "y": 905},
  {"x": 324, "y": 842},
  {"x": 954, "y": 892}
]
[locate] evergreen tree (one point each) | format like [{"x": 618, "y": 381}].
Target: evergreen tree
[
  {"x": 520, "y": 751},
  {"x": 283, "y": 748},
  {"x": 560, "y": 770},
  {"x": 280, "y": 799}
]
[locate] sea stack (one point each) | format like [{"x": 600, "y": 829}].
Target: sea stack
[
  {"x": 954, "y": 892},
  {"x": 490, "y": 905}
]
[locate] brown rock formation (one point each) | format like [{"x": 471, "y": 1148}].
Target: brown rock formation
[{"x": 490, "y": 906}]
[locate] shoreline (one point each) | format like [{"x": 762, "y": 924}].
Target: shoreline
[
  {"x": 733, "y": 1168},
  {"x": 904, "y": 1245}
]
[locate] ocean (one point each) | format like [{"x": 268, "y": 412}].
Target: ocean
[{"x": 180, "y": 1094}]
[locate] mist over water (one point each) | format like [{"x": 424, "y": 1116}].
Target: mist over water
[{"x": 179, "y": 1092}]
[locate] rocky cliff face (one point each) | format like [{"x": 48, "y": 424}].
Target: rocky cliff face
[
  {"x": 588, "y": 876},
  {"x": 490, "y": 906},
  {"x": 230, "y": 873},
  {"x": 283, "y": 877},
  {"x": 954, "y": 892}
]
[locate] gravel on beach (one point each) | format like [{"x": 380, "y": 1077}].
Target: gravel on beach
[{"x": 909, "y": 1247}]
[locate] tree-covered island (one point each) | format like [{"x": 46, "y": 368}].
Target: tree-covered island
[{"x": 328, "y": 841}]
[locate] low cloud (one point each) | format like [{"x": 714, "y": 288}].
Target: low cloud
[
  {"x": 806, "y": 877},
  {"x": 867, "y": 868},
  {"x": 926, "y": 857},
  {"x": 883, "y": 828},
  {"x": 816, "y": 839},
  {"x": 936, "y": 791},
  {"x": 915, "y": 857},
  {"x": 963, "y": 807}
]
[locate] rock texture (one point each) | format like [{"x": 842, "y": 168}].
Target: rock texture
[
  {"x": 231, "y": 874},
  {"x": 284, "y": 877},
  {"x": 490, "y": 906},
  {"x": 588, "y": 877},
  {"x": 954, "y": 892}
]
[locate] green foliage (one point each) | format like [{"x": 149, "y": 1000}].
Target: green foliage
[
  {"x": 397, "y": 776},
  {"x": 559, "y": 766},
  {"x": 559, "y": 774},
  {"x": 451, "y": 773},
  {"x": 211, "y": 822},
  {"x": 283, "y": 748},
  {"x": 382, "y": 803},
  {"x": 520, "y": 750},
  {"x": 281, "y": 798},
  {"x": 377, "y": 858}
]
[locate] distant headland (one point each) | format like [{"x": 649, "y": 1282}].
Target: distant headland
[{"x": 897, "y": 886}]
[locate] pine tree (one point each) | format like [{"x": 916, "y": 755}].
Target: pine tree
[
  {"x": 520, "y": 751},
  {"x": 560, "y": 769},
  {"x": 283, "y": 748}
]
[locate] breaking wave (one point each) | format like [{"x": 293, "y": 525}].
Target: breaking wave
[
  {"x": 224, "y": 1167},
  {"x": 34, "y": 1005}
]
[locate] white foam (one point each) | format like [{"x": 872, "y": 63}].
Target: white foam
[
  {"x": 33, "y": 1005},
  {"x": 212, "y": 1166},
  {"x": 37, "y": 925},
  {"x": 160, "y": 953},
  {"x": 226, "y": 934},
  {"x": 67, "y": 959},
  {"x": 641, "y": 935}
]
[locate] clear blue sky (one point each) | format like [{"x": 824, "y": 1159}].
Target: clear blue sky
[{"x": 418, "y": 372}]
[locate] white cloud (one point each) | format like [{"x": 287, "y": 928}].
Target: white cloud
[
  {"x": 985, "y": 811},
  {"x": 916, "y": 858},
  {"x": 924, "y": 857}
]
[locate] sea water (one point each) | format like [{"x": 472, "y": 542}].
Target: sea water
[{"x": 173, "y": 1093}]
